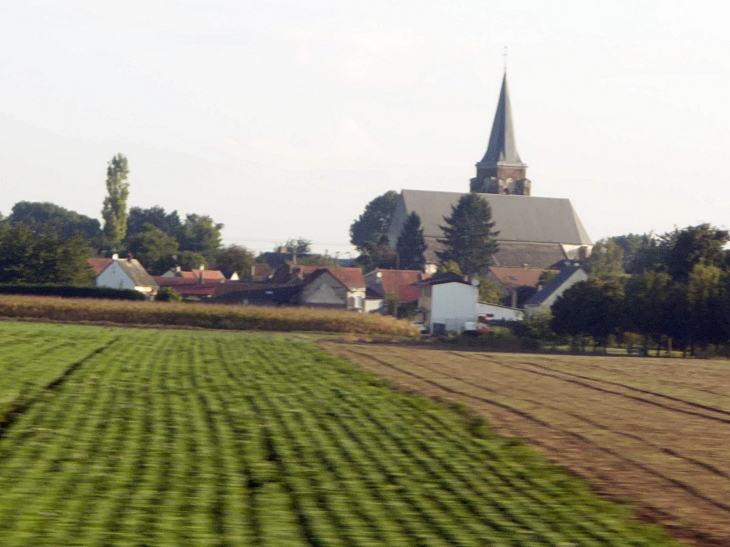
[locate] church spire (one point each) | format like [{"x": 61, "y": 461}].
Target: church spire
[{"x": 501, "y": 171}]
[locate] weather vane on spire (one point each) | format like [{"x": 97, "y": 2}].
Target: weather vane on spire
[{"x": 505, "y": 59}]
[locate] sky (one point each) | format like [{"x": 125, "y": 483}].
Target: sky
[{"x": 283, "y": 119}]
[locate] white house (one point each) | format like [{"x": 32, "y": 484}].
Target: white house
[
  {"x": 126, "y": 273},
  {"x": 447, "y": 302},
  {"x": 544, "y": 299},
  {"x": 495, "y": 312}
]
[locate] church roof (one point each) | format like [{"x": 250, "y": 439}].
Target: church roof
[
  {"x": 502, "y": 149},
  {"x": 517, "y": 218}
]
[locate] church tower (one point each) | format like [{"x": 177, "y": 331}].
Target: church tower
[{"x": 501, "y": 171}]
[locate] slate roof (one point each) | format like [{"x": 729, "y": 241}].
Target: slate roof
[
  {"x": 515, "y": 254},
  {"x": 517, "y": 218},
  {"x": 540, "y": 296},
  {"x": 502, "y": 149},
  {"x": 137, "y": 273}
]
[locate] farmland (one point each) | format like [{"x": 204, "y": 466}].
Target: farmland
[
  {"x": 652, "y": 432},
  {"x": 146, "y": 437}
]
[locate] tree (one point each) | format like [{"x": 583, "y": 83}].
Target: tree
[
  {"x": 378, "y": 255},
  {"x": 369, "y": 228},
  {"x": 154, "y": 249},
  {"x": 449, "y": 266},
  {"x": 156, "y": 216},
  {"x": 298, "y": 246},
  {"x": 702, "y": 244},
  {"x": 114, "y": 210},
  {"x": 190, "y": 260},
  {"x": 40, "y": 216},
  {"x": 593, "y": 308},
  {"x": 235, "y": 259},
  {"x": 646, "y": 305},
  {"x": 606, "y": 260},
  {"x": 411, "y": 244},
  {"x": 469, "y": 238},
  {"x": 28, "y": 257},
  {"x": 489, "y": 292},
  {"x": 201, "y": 235}
]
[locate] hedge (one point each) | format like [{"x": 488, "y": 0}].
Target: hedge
[{"x": 71, "y": 291}]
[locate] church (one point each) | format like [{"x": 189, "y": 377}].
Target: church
[{"x": 534, "y": 232}]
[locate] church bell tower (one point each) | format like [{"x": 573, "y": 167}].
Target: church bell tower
[{"x": 501, "y": 171}]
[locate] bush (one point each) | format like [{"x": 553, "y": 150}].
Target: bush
[
  {"x": 71, "y": 291},
  {"x": 167, "y": 294}
]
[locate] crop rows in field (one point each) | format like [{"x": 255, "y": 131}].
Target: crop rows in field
[
  {"x": 652, "y": 431},
  {"x": 179, "y": 438}
]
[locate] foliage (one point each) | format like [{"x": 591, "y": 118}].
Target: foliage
[
  {"x": 40, "y": 217},
  {"x": 546, "y": 277},
  {"x": 235, "y": 259},
  {"x": 411, "y": 245},
  {"x": 223, "y": 439},
  {"x": 489, "y": 292},
  {"x": 469, "y": 238},
  {"x": 168, "y": 294},
  {"x": 71, "y": 291},
  {"x": 42, "y": 257},
  {"x": 190, "y": 260},
  {"x": 114, "y": 210},
  {"x": 702, "y": 244},
  {"x": 156, "y": 216},
  {"x": 606, "y": 260},
  {"x": 377, "y": 255},
  {"x": 200, "y": 234},
  {"x": 298, "y": 246},
  {"x": 591, "y": 308},
  {"x": 323, "y": 261},
  {"x": 154, "y": 249},
  {"x": 373, "y": 224},
  {"x": 449, "y": 266},
  {"x": 641, "y": 252}
]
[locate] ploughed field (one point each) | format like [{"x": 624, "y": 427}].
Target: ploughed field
[
  {"x": 144, "y": 437},
  {"x": 652, "y": 432}
]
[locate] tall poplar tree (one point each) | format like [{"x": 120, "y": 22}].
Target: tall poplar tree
[{"x": 114, "y": 210}]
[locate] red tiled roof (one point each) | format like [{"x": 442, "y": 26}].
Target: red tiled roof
[
  {"x": 98, "y": 265},
  {"x": 209, "y": 275},
  {"x": 350, "y": 277},
  {"x": 399, "y": 282},
  {"x": 512, "y": 278}
]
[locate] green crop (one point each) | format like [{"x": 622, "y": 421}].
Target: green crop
[{"x": 143, "y": 437}]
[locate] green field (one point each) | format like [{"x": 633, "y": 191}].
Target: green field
[{"x": 145, "y": 437}]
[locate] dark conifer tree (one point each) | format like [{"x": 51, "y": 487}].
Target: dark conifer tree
[
  {"x": 469, "y": 238},
  {"x": 411, "y": 244}
]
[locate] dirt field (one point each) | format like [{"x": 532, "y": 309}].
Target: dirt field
[{"x": 654, "y": 433}]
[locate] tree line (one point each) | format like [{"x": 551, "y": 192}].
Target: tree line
[{"x": 672, "y": 289}]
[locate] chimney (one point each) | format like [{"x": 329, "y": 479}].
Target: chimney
[
  {"x": 129, "y": 257},
  {"x": 178, "y": 269},
  {"x": 202, "y": 271}
]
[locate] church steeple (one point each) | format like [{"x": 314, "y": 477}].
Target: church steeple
[{"x": 501, "y": 171}]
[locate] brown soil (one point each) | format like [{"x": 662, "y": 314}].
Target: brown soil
[{"x": 653, "y": 433}]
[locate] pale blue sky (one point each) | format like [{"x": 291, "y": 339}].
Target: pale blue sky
[{"x": 284, "y": 118}]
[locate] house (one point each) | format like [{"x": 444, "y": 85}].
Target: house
[
  {"x": 495, "y": 312},
  {"x": 509, "y": 280},
  {"x": 382, "y": 284},
  {"x": 446, "y": 302},
  {"x": 545, "y": 298},
  {"x": 189, "y": 288},
  {"x": 537, "y": 231},
  {"x": 208, "y": 276},
  {"x": 353, "y": 279},
  {"x": 260, "y": 271},
  {"x": 322, "y": 289},
  {"x": 126, "y": 273},
  {"x": 256, "y": 294}
]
